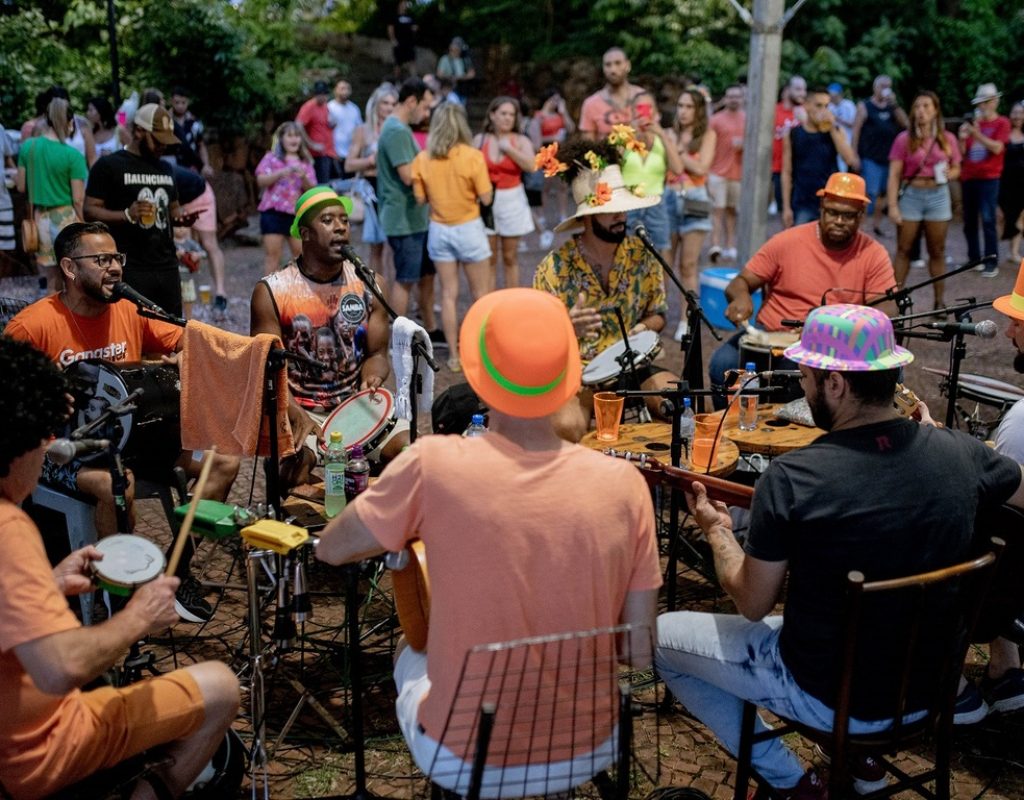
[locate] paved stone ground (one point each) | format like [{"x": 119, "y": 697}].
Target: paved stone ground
[{"x": 314, "y": 760}]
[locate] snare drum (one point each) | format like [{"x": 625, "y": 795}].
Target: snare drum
[
  {"x": 128, "y": 562},
  {"x": 606, "y": 367},
  {"x": 989, "y": 391},
  {"x": 366, "y": 418},
  {"x": 149, "y": 438}
]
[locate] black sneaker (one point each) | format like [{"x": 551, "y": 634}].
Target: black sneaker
[
  {"x": 220, "y": 303},
  {"x": 189, "y": 602},
  {"x": 437, "y": 339}
]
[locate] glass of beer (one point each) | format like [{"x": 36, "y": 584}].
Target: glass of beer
[
  {"x": 147, "y": 214},
  {"x": 205, "y": 294},
  {"x": 608, "y": 414}
]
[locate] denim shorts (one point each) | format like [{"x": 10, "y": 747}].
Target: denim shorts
[
  {"x": 408, "y": 251},
  {"x": 875, "y": 175},
  {"x": 927, "y": 203},
  {"x": 655, "y": 219},
  {"x": 275, "y": 222},
  {"x": 464, "y": 243},
  {"x": 686, "y": 224}
]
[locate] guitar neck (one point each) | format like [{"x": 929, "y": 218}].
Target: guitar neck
[{"x": 732, "y": 494}]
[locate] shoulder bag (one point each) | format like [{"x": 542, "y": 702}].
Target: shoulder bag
[{"x": 29, "y": 229}]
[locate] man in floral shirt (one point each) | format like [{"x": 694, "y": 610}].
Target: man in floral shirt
[{"x": 601, "y": 269}]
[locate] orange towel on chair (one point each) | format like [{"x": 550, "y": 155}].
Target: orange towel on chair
[{"x": 222, "y": 377}]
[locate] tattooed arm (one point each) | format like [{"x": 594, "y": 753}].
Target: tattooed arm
[{"x": 753, "y": 584}]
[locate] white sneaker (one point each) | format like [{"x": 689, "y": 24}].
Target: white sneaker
[
  {"x": 729, "y": 254},
  {"x": 547, "y": 238},
  {"x": 772, "y": 209},
  {"x": 681, "y": 330},
  {"x": 918, "y": 263},
  {"x": 715, "y": 253}
]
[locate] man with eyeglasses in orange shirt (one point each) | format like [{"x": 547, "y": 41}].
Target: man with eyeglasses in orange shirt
[
  {"x": 829, "y": 260},
  {"x": 85, "y": 322}
]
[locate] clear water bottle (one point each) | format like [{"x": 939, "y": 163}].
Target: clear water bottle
[
  {"x": 748, "y": 398},
  {"x": 335, "y": 462},
  {"x": 357, "y": 473},
  {"x": 476, "y": 427},
  {"x": 687, "y": 424},
  {"x": 733, "y": 410}
]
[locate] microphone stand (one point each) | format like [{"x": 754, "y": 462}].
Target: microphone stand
[
  {"x": 628, "y": 359},
  {"x": 691, "y": 345},
  {"x": 419, "y": 349}
]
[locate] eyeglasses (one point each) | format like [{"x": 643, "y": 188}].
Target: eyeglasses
[
  {"x": 845, "y": 216},
  {"x": 104, "y": 260}
]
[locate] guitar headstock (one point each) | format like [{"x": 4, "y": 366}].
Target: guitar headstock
[
  {"x": 642, "y": 460},
  {"x": 905, "y": 401}
]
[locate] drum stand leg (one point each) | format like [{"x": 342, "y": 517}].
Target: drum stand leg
[{"x": 257, "y": 698}]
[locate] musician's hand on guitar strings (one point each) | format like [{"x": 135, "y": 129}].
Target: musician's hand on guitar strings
[{"x": 708, "y": 513}]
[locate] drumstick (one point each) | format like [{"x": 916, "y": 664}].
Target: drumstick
[{"x": 186, "y": 526}]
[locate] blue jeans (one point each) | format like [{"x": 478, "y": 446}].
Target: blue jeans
[
  {"x": 981, "y": 196},
  {"x": 712, "y": 663},
  {"x": 875, "y": 175},
  {"x": 808, "y": 213}
]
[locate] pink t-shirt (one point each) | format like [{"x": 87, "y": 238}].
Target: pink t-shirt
[
  {"x": 921, "y": 163},
  {"x": 282, "y": 194},
  {"x": 799, "y": 271},
  {"x": 728, "y": 161},
  {"x": 597, "y": 116},
  {"x": 560, "y": 558}
]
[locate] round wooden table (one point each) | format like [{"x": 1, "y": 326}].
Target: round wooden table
[
  {"x": 655, "y": 439},
  {"x": 773, "y": 436}
]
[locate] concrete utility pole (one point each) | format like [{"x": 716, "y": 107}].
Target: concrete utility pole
[{"x": 766, "y": 23}]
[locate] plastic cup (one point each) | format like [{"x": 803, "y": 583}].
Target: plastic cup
[
  {"x": 205, "y": 294},
  {"x": 147, "y": 214},
  {"x": 608, "y": 414},
  {"x": 706, "y": 436}
]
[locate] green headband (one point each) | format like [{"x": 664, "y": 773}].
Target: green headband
[{"x": 505, "y": 383}]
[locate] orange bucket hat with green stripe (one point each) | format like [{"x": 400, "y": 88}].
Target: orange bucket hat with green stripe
[
  {"x": 313, "y": 200},
  {"x": 519, "y": 352},
  {"x": 1013, "y": 304}
]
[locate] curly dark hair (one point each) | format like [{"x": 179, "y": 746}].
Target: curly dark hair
[
  {"x": 33, "y": 405},
  {"x": 572, "y": 154}
]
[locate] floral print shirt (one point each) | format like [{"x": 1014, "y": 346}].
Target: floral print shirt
[
  {"x": 281, "y": 196},
  {"x": 635, "y": 285}
]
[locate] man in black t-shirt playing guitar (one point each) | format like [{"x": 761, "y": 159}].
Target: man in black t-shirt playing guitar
[{"x": 842, "y": 503}]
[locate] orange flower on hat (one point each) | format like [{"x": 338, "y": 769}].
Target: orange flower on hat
[
  {"x": 601, "y": 195},
  {"x": 547, "y": 161}
]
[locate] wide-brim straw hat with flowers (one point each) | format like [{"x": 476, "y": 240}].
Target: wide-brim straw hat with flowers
[{"x": 603, "y": 192}]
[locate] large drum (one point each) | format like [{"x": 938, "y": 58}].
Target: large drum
[
  {"x": 366, "y": 418},
  {"x": 149, "y": 437},
  {"x": 609, "y": 363},
  {"x": 765, "y": 349}
]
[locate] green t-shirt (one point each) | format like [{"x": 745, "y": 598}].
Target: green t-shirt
[
  {"x": 400, "y": 214},
  {"x": 49, "y": 169}
]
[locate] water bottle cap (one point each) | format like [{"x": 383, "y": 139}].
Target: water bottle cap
[
  {"x": 335, "y": 437},
  {"x": 357, "y": 451},
  {"x": 751, "y": 366},
  {"x": 478, "y": 419},
  {"x": 686, "y": 402}
]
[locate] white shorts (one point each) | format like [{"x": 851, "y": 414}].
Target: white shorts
[
  {"x": 724, "y": 192},
  {"x": 466, "y": 243},
  {"x": 512, "y": 215},
  {"x": 450, "y": 772}
]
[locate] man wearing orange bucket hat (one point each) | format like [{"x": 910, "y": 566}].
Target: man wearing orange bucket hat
[
  {"x": 505, "y": 519},
  {"x": 820, "y": 512},
  {"x": 829, "y": 260}
]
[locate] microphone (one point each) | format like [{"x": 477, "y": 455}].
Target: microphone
[
  {"x": 63, "y": 451},
  {"x": 780, "y": 373},
  {"x": 640, "y": 232},
  {"x": 364, "y": 272},
  {"x": 122, "y": 291},
  {"x": 986, "y": 329}
]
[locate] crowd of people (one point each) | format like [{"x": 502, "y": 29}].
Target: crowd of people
[{"x": 111, "y": 199}]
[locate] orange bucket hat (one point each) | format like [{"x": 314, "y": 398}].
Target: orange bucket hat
[
  {"x": 519, "y": 352},
  {"x": 1013, "y": 304},
  {"x": 845, "y": 186}
]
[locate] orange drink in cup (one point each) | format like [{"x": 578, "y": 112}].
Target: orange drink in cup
[{"x": 608, "y": 414}]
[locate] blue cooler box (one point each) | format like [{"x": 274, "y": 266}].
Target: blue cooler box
[{"x": 713, "y": 281}]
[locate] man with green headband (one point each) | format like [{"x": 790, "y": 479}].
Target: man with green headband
[
  {"x": 317, "y": 302},
  {"x": 842, "y": 503},
  {"x": 559, "y": 557}
]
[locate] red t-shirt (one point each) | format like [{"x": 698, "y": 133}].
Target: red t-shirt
[
  {"x": 118, "y": 334},
  {"x": 785, "y": 118},
  {"x": 313, "y": 117},
  {"x": 728, "y": 161},
  {"x": 979, "y": 162},
  {"x": 798, "y": 271}
]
